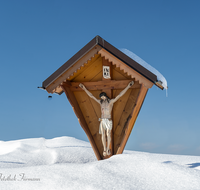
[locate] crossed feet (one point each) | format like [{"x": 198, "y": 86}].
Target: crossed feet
[{"x": 106, "y": 153}]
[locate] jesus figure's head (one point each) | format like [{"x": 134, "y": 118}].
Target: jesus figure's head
[{"x": 104, "y": 97}]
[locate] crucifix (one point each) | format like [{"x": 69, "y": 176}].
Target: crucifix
[{"x": 106, "y": 105}]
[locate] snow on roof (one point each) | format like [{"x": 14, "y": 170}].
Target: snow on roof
[{"x": 136, "y": 58}]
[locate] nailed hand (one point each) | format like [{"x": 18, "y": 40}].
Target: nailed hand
[
  {"x": 81, "y": 86},
  {"x": 131, "y": 83}
]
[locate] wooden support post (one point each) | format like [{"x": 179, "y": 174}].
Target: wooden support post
[
  {"x": 107, "y": 63},
  {"x": 80, "y": 117},
  {"x": 131, "y": 122},
  {"x": 110, "y": 95}
]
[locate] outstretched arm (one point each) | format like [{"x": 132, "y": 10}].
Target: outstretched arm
[
  {"x": 123, "y": 92},
  {"x": 88, "y": 93}
]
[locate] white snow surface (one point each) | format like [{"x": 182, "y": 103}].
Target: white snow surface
[
  {"x": 68, "y": 163},
  {"x": 136, "y": 58}
]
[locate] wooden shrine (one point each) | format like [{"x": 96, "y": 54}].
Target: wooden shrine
[{"x": 90, "y": 66}]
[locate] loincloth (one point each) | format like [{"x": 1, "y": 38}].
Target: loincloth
[{"x": 106, "y": 124}]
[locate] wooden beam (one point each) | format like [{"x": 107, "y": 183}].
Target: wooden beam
[
  {"x": 80, "y": 117},
  {"x": 131, "y": 122},
  {"x": 100, "y": 85}
]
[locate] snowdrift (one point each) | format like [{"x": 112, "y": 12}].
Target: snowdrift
[{"x": 68, "y": 163}]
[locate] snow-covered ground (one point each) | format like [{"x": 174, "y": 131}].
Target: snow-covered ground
[{"x": 68, "y": 163}]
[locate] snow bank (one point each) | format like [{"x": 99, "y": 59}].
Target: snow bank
[
  {"x": 68, "y": 163},
  {"x": 136, "y": 58}
]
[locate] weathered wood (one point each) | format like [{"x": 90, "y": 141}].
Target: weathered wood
[
  {"x": 81, "y": 118},
  {"x": 132, "y": 119}
]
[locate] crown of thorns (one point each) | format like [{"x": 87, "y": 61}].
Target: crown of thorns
[{"x": 103, "y": 94}]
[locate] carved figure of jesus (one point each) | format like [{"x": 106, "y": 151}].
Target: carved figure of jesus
[{"x": 106, "y": 104}]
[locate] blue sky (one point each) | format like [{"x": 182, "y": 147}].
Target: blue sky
[{"x": 37, "y": 37}]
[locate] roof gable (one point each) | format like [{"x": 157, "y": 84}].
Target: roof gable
[{"x": 95, "y": 47}]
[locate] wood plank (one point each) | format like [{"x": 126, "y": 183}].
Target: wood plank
[
  {"x": 81, "y": 118},
  {"x": 88, "y": 111},
  {"x": 97, "y": 77},
  {"x": 90, "y": 72},
  {"x": 96, "y": 93},
  {"x": 132, "y": 119},
  {"x": 84, "y": 67},
  {"x": 91, "y": 117},
  {"x": 126, "y": 114},
  {"x": 95, "y": 105},
  {"x": 119, "y": 107},
  {"x": 100, "y": 85}
]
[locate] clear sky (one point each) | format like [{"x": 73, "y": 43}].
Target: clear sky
[{"x": 37, "y": 37}]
